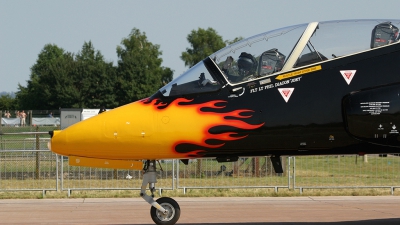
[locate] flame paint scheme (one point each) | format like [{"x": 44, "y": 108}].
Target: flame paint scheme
[{"x": 319, "y": 88}]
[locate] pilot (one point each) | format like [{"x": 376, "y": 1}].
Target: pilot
[
  {"x": 246, "y": 68},
  {"x": 203, "y": 81},
  {"x": 247, "y": 65}
]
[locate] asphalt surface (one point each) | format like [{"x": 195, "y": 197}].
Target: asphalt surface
[{"x": 210, "y": 211}]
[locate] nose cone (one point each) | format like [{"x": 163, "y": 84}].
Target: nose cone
[{"x": 122, "y": 133}]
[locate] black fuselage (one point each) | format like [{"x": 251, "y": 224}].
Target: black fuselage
[{"x": 316, "y": 117}]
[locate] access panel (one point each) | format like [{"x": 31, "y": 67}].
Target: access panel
[{"x": 373, "y": 114}]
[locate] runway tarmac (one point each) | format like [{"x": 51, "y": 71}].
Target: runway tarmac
[{"x": 210, "y": 211}]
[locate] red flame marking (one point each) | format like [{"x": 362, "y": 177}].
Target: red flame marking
[{"x": 232, "y": 121}]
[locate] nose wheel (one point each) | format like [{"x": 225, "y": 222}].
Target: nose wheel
[
  {"x": 171, "y": 215},
  {"x": 164, "y": 211}
]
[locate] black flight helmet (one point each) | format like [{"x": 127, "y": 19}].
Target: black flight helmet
[{"x": 247, "y": 64}]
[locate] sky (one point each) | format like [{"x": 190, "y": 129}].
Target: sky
[{"x": 27, "y": 26}]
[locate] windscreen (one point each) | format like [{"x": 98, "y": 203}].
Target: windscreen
[{"x": 196, "y": 80}]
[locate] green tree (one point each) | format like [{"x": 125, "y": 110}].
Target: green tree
[
  {"x": 166, "y": 76},
  {"x": 38, "y": 92},
  {"x": 60, "y": 79},
  {"x": 94, "y": 78},
  {"x": 139, "y": 68},
  {"x": 229, "y": 42},
  {"x": 7, "y": 102},
  {"x": 63, "y": 93},
  {"x": 203, "y": 43}
]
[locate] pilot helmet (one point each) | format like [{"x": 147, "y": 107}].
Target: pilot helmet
[{"x": 247, "y": 63}]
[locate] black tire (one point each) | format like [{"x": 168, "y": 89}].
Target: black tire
[{"x": 174, "y": 212}]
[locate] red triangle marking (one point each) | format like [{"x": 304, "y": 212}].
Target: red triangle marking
[
  {"x": 348, "y": 75},
  {"x": 286, "y": 92}
]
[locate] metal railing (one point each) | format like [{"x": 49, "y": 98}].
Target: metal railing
[
  {"x": 245, "y": 173},
  {"x": 25, "y": 162},
  {"x": 347, "y": 172},
  {"x": 27, "y": 165},
  {"x": 87, "y": 178},
  {"x": 28, "y": 170}
]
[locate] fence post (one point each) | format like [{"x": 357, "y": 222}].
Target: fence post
[
  {"x": 57, "y": 172},
  {"x": 115, "y": 174},
  {"x": 236, "y": 167},
  {"x": 256, "y": 166},
  {"x": 1, "y": 138},
  {"x": 173, "y": 174},
  {"x": 177, "y": 173},
  {"x": 199, "y": 170},
  {"x": 37, "y": 155},
  {"x": 30, "y": 117},
  {"x": 294, "y": 172},
  {"x": 62, "y": 172},
  {"x": 288, "y": 172}
]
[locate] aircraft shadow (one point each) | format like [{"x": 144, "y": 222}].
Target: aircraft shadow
[{"x": 391, "y": 221}]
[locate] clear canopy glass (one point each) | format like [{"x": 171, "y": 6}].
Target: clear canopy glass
[
  {"x": 196, "y": 80},
  {"x": 286, "y": 49}
]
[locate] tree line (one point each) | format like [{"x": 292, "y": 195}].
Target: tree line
[{"x": 61, "y": 79}]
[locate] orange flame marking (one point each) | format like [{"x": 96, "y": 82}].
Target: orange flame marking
[{"x": 188, "y": 124}]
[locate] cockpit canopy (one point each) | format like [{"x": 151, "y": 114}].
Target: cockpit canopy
[{"x": 283, "y": 50}]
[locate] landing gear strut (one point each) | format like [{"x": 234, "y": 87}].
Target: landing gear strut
[{"x": 164, "y": 211}]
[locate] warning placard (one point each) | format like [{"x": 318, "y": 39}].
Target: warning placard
[
  {"x": 348, "y": 75},
  {"x": 286, "y": 93}
]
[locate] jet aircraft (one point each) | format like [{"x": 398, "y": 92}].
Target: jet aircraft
[{"x": 317, "y": 88}]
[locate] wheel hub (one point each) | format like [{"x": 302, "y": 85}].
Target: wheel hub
[{"x": 168, "y": 215}]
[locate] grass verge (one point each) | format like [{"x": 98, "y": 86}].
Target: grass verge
[{"x": 253, "y": 192}]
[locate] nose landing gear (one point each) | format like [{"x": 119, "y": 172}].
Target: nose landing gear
[
  {"x": 164, "y": 211},
  {"x": 171, "y": 215}
]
